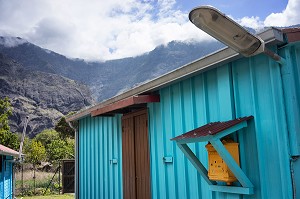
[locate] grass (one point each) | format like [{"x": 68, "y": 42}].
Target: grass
[
  {"x": 42, "y": 178},
  {"x": 41, "y": 183},
  {"x": 64, "y": 196}
]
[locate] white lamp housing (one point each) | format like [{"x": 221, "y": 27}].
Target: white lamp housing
[{"x": 224, "y": 29}]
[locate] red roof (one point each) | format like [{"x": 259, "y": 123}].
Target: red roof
[
  {"x": 130, "y": 103},
  {"x": 8, "y": 151},
  {"x": 292, "y": 34},
  {"x": 211, "y": 128}
]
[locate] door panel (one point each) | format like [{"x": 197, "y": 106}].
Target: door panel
[
  {"x": 142, "y": 157},
  {"x": 136, "y": 163},
  {"x": 128, "y": 158}
]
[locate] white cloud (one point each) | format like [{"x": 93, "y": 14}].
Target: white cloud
[
  {"x": 111, "y": 29},
  {"x": 253, "y": 22},
  {"x": 96, "y": 30},
  {"x": 289, "y": 16},
  {"x": 11, "y": 41}
]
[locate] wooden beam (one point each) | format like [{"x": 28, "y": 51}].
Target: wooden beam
[
  {"x": 231, "y": 163},
  {"x": 133, "y": 100},
  {"x": 232, "y": 189},
  {"x": 196, "y": 162}
]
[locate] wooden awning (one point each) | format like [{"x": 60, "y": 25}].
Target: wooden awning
[
  {"x": 206, "y": 132},
  {"x": 212, "y": 133},
  {"x": 126, "y": 105}
]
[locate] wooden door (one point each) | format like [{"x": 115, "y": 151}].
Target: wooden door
[
  {"x": 68, "y": 176},
  {"x": 136, "y": 163}
]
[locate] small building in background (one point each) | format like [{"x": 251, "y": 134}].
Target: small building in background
[
  {"x": 7, "y": 156},
  {"x": 124, "y": 147}
]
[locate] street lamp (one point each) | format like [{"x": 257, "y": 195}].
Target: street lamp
[{"x": 226, "y": 30}]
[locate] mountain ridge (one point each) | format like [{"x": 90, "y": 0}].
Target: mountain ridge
[
  {"x": 28, "y": 73},
  {"x": 42, "y": 96}
]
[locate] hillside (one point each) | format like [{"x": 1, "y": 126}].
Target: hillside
[
  {"x": 106, "y": 79},
  {"x": 47, "y": 85},
  {"x": 44, "y": 97}
]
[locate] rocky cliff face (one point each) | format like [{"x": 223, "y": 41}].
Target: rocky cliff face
[
  {"x": 47, "y": 85},
  {"x": 42, "y": 96},
  {"x": 106, "y": 79}
]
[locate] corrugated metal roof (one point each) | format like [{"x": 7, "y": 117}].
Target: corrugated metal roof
[
  {"x": 122, "y": 106},
  {"x": 292, "y": 34},
  {"x": 211, "y": 128},
  {"x": 270, "y": 36},
  {"x": 8, "y": 151}
]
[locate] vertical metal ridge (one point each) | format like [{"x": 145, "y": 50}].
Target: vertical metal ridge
[
  {"x": 274, "y": 72},
  {"x": 257, "y": 118},
  {"x": 97, "y": 152},
  {"x": 113, "y": 156},
  {"x": 164, "y": 169},
  {"x": 174, "y": 147},
  {"x": 182, "y": 121},
  {"x": 88, "y": 158},
  {"x": 195, "y": 125},
  {"x": 109, "y": 156},
  {"x": 85, "y": 161}
]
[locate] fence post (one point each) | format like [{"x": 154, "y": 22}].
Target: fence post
[
  {"x": 22, "y": 176},
  {"x": 59, "y": 177},
  {"x": 34, "y": 180}
]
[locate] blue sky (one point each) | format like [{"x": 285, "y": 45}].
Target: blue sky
[
  {"x": 103, "y": 30},
  {"x": 239, "y": 8}
]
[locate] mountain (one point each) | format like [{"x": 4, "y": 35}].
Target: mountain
[
  {"x": 126, "y": 73},
  {"x": 106, "y": 79},
  {"x": 42, "y": 96},
  {"x": 47, "y": 85}
]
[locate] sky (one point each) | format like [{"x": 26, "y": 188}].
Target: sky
[{"x": 99, "y": 30}]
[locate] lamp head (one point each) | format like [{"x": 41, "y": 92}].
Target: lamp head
[{"x": 224, "y": 29}]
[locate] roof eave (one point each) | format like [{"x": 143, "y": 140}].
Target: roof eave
[{"x": 9, "y": 154}]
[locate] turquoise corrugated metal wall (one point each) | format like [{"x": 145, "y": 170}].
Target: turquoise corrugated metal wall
[
  {"x": 291, "y": 80},
  {"x": 245, "y": 87},
  {"x": 100, "y": 140},
  {"x": 1, "y": 186},
  {"x": 6, "y": 179},
  {"x": 248, "y": 86}
]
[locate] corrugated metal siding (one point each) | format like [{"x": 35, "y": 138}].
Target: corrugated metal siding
[
  {"x": 249, "y": 86},
  {"x": 242, "y": 88},
  {"x": 100, "y": 140},
  {"x": 291, "y": 73},
  {"x": 258, "y": 92},
  {"x": 6, "y": 179},
  {"x": 291, "y": 83}
]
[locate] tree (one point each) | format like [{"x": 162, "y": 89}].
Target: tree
[
  {"x": 56, "y": 148},
  {"x": 35, "y": 152},
  {"x": 47, "y": 136},
  {"x": 7, "y": 138},
  {"x": 12, "y": 141},
  {"x": 59, "y": 149},
  {"x": 64, "y": 129},
  {"x": 70, "y": 148}
]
